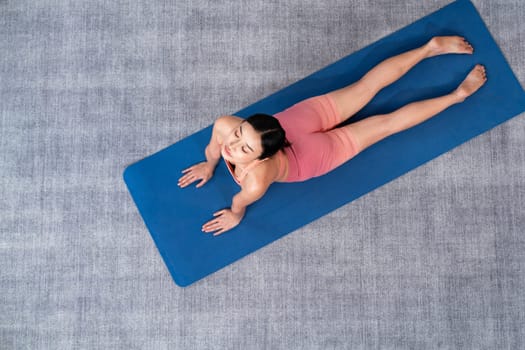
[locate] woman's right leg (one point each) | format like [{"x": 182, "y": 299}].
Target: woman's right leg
[{"x": 350, "y": 99}]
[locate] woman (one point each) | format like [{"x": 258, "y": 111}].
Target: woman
[{"x": 257, "y": 150}]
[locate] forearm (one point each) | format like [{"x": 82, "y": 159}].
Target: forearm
[
  {"x": 212, "y": 155},
  {"x": 238, "y": 208},
  {"x": 246, "y": 197},
  {"x": 239, "y": 204}
]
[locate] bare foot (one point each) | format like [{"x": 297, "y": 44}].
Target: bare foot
[
  {"x": 440, "y": 45},
  {"x": 474, "y": 80}
]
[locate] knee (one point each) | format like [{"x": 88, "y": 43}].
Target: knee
[
  {"x": 393, "y": 123},
  {"x": 385, "y": 124},
  {"x": 369, "y": 86},
  {"x": 371, "y": 130}
]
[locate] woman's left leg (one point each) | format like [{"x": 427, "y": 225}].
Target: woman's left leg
[{"x": 325, "y": 151}]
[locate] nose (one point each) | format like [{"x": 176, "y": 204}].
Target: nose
[{"x": 233, "y": 145}]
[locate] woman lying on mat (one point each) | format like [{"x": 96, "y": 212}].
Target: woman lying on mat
[{"x": 303, "y": 141}]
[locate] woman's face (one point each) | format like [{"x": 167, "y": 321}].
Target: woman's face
[{"x": 242, "y": 145}]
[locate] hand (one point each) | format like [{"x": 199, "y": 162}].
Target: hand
[
  {"x": 224, "y": 220},
  {"x": 202, "y": 171}
]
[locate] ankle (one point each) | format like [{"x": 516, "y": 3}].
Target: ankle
[
  {"x": 430, "y": 48},
  {"x": 458, "y": 95}
]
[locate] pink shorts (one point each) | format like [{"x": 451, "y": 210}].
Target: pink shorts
[{"x": 317, "y": 147}]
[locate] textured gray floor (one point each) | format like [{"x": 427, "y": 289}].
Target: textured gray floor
[{"x": 433, "y": 260}]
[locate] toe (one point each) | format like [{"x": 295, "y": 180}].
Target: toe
[{"x": 467, "y": 46}]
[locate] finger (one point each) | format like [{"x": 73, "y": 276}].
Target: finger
[
  {"x": 200, "y": 184},
  {"x": 220, "y": 232},
  {"x": 220, "y": 212},
  {"x": 190, "y": 174},
  {"x": 182, "y": 180},
  {"x": 213, "y": 228},
  {"x": 208, "y": 229},
  {"x": 188, "y": 169},
  {"x": 211, "y": 224},
  {"x": 187, "y": 180},
  {"x": 184, "y": 184},
  {"x": 185, "y": 177}
]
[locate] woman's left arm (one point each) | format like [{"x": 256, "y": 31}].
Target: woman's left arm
[{"x": 227, "y": 219}]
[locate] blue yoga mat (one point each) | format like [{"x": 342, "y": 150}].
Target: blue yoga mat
[{"x": 174, "y": 216}]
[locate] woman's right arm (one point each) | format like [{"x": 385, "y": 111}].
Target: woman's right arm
[
  {"x": 204, "y": 171},
  {"x": 213, "y": 150}
]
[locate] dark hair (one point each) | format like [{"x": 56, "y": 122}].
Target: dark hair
[{"x": 273, "y": 137}]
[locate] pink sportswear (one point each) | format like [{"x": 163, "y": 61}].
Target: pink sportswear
[{"x": 317, "y": 146}]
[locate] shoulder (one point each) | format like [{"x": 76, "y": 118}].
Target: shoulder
[
  {"x": 260, "y": 177},
  {"x": 224, "y": 125},
  {"x": 226, "y": 122}
]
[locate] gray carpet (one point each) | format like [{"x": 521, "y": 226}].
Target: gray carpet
[{"x": 432, "y": 260}]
